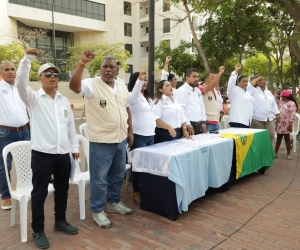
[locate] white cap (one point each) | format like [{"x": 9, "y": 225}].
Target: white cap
[{"x": 48, "y": 66}]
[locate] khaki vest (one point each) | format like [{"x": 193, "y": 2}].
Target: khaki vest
[
  {"x": 212, "y": 109},
  {"x": 106, "y": 114}
]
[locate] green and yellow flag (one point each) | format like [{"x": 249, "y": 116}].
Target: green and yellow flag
[{"x": 253, "y": 151}]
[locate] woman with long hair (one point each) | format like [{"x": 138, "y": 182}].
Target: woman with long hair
[
  {"x": 170, "y": 120},
  {"x": 241, "y": 108},
  {"x": 284, "y": 124},
  {"x": 143, "y": 121}
]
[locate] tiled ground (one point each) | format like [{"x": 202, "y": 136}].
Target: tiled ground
[{"x": 258, "y": 212}]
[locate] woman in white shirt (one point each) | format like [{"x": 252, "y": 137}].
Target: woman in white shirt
[
  {"x": 241, "y": 109},
  {"x": 143, "y": 121},
  {"x": 170, "y": 120},
  {"x": 265, "y": 109}
]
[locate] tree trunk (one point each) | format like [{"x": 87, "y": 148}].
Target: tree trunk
[{"x": 196, "y": 40}]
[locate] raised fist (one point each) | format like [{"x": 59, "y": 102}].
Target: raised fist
[
  {"x": 168, "y": 59},
  {"x": 87, "y": 56},
  {"x": 32, "y": 51},
  {"x": 142, "y": 75},
  {"x": 221, "y": 69}
]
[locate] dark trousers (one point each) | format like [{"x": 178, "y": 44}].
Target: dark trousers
[
  {"x": 197, "y": 127},
  {"x": 238, "y": 125},
  {"x": 139, "y": 142},
  {"x": 162, "y": 135},
  {"x": 43, "y": 166}
]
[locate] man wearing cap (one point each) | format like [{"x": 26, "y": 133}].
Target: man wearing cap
[
  {"x": 52, "y": 134},
  {"x": 13, "y": 123}
]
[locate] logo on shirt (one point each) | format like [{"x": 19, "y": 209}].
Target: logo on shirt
[
  {"x": 166, "y": 104},
  {"x": 102, "y": 103},
  {"x": 209, "y": 98},
  {"x": 4, "y": 91},
  {"x": 66, "y": 113}
]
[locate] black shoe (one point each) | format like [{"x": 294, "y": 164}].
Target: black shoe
[
  {"x": 40, "y": 240},
  {"x": 65, "y": 227}
]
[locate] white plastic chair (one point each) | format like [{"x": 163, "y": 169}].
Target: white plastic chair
[
  {"x": 21, "y": 154},
  {"x": 226, "y": 121},
  {"x": 82, "y": 178},
  {"x": 83, "y": 130},
  {"x": 296, "y": 126}
]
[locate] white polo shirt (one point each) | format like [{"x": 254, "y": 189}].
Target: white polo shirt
[
  {"x": 264, "y": 106},
  {"x": 192, "y": 103},
  {"x": 241, "y": 109},
  {"x": 142, "y": 111},
  {"x": 13, "y": 111},
  {"x": 51, "y": 120},
  {"x": 169, "y": 111}
]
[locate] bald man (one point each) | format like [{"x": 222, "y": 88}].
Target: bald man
[{"x": 13, "y": 123}]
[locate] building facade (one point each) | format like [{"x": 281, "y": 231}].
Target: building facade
[{"x": 95, "y": 20}]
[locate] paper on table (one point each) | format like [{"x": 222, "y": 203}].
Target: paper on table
[{"x": 73, "y": 167}]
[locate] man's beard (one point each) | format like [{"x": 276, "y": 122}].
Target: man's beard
[{"x": 194, "y": 84}]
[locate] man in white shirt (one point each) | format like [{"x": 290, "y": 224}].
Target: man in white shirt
[
  {"x": 109, "y": 128},
  {"x": 13, "y": 123},
  {"x": 52, "y": 134},
  {"x": 192, "y": 103}
]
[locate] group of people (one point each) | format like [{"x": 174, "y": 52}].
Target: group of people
[
  {"x": 117, "y": 117},
  {"x": 253, "y": 105}
]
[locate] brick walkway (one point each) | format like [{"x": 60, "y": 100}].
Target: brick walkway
[{"x": 248, "y": 216}]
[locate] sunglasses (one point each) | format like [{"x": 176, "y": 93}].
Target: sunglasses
[{"x": 49, "y": 74}]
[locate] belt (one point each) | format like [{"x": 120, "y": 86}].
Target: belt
[{"x": 14, "y": 128}]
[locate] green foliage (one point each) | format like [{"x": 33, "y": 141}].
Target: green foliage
[
  {"x": 181, "y": 57},
  {"x": 14, "y": 52},
  {"x": 256, "y": 65},
  {"x": 101, "y": 49}
]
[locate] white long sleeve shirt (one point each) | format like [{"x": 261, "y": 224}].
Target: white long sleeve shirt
[
  {"x": 192, "y": 103},
  {"x": 264, "y": 106},
  {"x": 142, "y": 111},
  {"x": 51, "y": 120},
  {"x": 241, "y": 109},
  {"x": 169, "y": 111},
  {"x": 12, "y": 110}
]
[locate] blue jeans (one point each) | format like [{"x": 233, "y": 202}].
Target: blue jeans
[
  {"x": 7, "y": 137},
  {"x": 107, "y": 170},
  {"x": 211, "y": 127},
  {"x": 139, "y": 142}
]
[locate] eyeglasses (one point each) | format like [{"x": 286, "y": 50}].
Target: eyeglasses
[{"x": 49, "y": 74}]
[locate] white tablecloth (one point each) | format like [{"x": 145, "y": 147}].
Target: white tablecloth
[{"x": 193, "y": 165}]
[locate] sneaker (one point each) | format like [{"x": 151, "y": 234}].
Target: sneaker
[
  {"x": 118, "y": 208},
  {"x": 6, "y": 204},
  {"x": 101, "y": 219},
  {"x": 40, "y": 240},
  {"x": 65, "y": 227}
]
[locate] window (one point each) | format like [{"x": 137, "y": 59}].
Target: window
[
  {"x": 127, "y": 8},
  {"x": 81, "y": 8},
  {"x": 166, "y": 5},
  {"x": 194, "y": 46},
  {"x": 147, "y": 11},
  {"x": 127, "y": 29},
  {"x": 129, "y": 69},
  {"x": 166, "y": 25},
  {"x": 195, "y": 22},
  {"x": 168, "y": 42},
  {"x": 147, "y": 30},
  {"x": 128, "y": 47}
]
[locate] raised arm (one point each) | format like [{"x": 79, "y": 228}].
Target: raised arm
[
  {"x": 232, "y": 82},
  {"x": 165, "y": 71},
  {"x": 25, "y": 92},
  {"x": 134, "y": 96},
  {"x": 75, "y": 82},
  {"x": 211, "y": 85}
]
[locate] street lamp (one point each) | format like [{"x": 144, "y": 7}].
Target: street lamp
[
  {"x": 151, "y": 47},
  {"x": 53, "y": 35}
]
